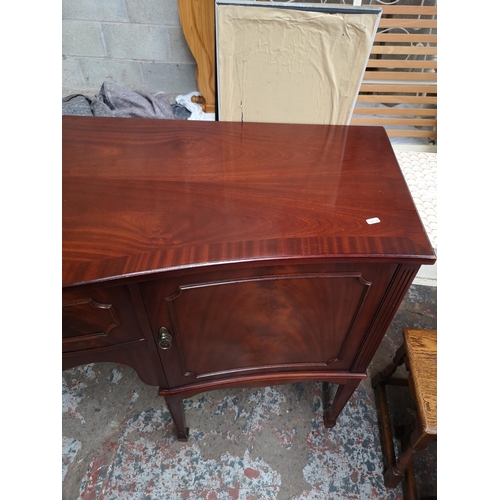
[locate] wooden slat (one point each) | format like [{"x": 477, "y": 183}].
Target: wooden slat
[
  {"x": 365, "y": 110},
  {"x": 401, "y": 75},
  {"x": 407, "y": 23},
  {"x": 404, "y": 49},
  {"x": 397, "y": 99},
  {"x": 405, "y": 81},
  {"x": 396, "y": 63},
  {"x": 391, "y": 132},
  {"x": 410, "y": 133},
  {"x": 409, "y": 10},
  {"x": 405, "y": 38},
  {"x": 405, "y": 122},
  {"x": 402, "y": 88}
]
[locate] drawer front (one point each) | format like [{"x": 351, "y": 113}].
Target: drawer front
[
  {"x": 290, "y": 321},
  {"x": 98, "y": 318}
]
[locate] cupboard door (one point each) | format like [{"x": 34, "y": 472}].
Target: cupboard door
[{"x": 276, "y": 322}]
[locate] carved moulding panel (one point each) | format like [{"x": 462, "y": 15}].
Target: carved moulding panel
[
  {"x": 86, "y": 319},
  {"x": 265, "y": 323}
]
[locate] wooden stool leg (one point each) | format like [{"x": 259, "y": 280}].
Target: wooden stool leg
[
  {"x": 409, "y": 483},
  {"x": 176, "y": 408},
  {"x": 389, "y": 370},
  {"x": 388, "y": 454},
  {"x": 342, "y": 395},
  {"x": 418, "y": 441}
]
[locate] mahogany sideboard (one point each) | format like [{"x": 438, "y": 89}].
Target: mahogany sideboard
[{"x": 208, "y": 254}]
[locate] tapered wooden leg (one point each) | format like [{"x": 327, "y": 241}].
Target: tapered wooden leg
[
  {"x": 342, "y": 395},
  {"x": 418, "y": 441},
  {"x": 176, "y": 409}
]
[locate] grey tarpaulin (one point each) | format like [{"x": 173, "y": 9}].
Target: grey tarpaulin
[{"x": 117, "y": 101}]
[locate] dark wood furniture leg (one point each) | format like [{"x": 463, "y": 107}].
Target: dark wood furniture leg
[
  {"x": 342, "y": 395},
  {"x": 386, "y": 442},
  {"x": 419, "y": 354},
  {"x": 419, "y": 440},
  {"x": 409, "y": 483},
  {"x": 176, "y": 408},
  {"x": 389, "y": 370}
]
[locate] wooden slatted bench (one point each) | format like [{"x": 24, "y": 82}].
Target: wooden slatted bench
[{"x": 399, "y": 88}]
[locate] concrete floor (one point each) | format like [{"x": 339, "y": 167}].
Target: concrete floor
[{"x": 267, "y": 443}]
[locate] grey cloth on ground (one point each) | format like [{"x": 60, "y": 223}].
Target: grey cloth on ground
[
  {"x": 117, "y": 101},
  {"x": 76, "y": 105}
]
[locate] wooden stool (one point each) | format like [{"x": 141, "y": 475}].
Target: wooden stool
[{"x": 419, "y": 353}]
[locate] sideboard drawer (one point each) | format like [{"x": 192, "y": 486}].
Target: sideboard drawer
[{"x": 98, "y": 318}]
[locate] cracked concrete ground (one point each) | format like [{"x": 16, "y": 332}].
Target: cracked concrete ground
[{"x": 265, "y": 443}]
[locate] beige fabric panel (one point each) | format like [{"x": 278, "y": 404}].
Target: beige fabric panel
[{"x": 289, "y": 66}]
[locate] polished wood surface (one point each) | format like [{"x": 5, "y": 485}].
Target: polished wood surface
[
  {"x": 265, "y": 319},
  {"x": 145, "y": 195},
  {"x": 245, "y": 245}
]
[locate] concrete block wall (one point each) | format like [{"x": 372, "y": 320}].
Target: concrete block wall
[{"x": 138, "y": 44}]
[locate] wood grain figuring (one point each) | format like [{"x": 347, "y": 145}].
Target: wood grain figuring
[
  {"x": 273, "y": 321},
  {"x": 146, "y": 195},
  {"x": 197, "y": 19},
  {"x": 421, "y": 349},
  {"x": 246, "y": 244},
  {"x": 264, "y": 316}
]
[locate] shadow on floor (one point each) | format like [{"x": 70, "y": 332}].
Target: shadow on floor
[{"x": 267, "y": 443}]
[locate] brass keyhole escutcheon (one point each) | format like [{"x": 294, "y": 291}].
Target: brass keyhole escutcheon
[{"x": 164, "y": 338}]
